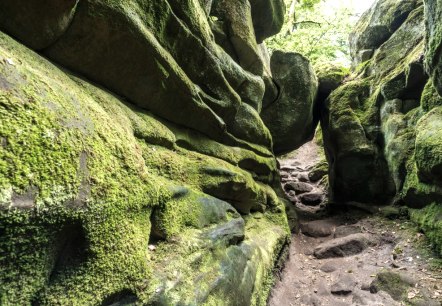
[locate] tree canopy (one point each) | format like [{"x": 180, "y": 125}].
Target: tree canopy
[{"x": 318, "y": 29}]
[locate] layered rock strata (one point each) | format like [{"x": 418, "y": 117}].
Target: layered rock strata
[{"x": 134, "y": 163}]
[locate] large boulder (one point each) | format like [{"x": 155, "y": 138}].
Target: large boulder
[
  {"x": 291, "y": 118},
  {"x": 369, "y": 122},
  {"x": 433, "y": 56},
  {"x": 37, "y": 24},
  {"x": 377, "y": 25},
  {"x": 100, "y": 203},
  {"x": 382, "y": 126},
  {"x": 268, "y": 17},
  {"x": 136, "y": 164}
]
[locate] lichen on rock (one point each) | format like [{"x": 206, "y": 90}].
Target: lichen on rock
[
  {"x": 158, "y": 176},
  {"x": 381, "y": 127}
]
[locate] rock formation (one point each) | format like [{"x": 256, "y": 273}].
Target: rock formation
[
  {"x": 138, "y": 143},
  {"x": 382, "y": 128},
  {"x": 134, "y": 164},
  {"x": 291, "y": 118}
]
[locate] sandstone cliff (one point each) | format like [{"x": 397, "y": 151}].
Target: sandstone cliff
[
  {"x": 382, "y": 128},
  {"x": 134, "y": 164}
]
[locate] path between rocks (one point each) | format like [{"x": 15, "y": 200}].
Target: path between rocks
[{"x": 347, "y": 256}]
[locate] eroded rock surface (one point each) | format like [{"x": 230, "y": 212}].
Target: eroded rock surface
[
  {"x": 377, "y": 25},
  {"x": 381, "y": 127},
  {"x": 291, "y": 118},
  {"x": 134, "y": 160}
]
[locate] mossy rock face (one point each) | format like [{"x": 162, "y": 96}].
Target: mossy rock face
[
  {"x": 383, "y": 123},
  {"x": 430, "y": 220},
  {"x": 291, "y": 118},
  {"x": 268, "y": 17},
  {"x": 38, "y": 24},
  {"x": 159, "y": 69},
  {"x": 377, "y": 25},
  {"x": 402, "y": 53},
  {"x": 102, "y": 202},
  {"x": 393, "y": 283},
  {"x": 369, "y": 123},
  {"x": 433, "y": 56},
  {"x": 330, "y": 76}
]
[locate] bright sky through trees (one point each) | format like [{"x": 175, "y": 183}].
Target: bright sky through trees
[
  {"x": 319, "y": 29},
  {"x": 360, "y": 6}
]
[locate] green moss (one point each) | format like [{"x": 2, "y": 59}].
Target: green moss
[
  {"x": 261, "y": 165},
  {"x": 209, "y": 175},
  {"x": 189, "y": 209},
  {"x": 318, "y": 138},
  {"x": 84, "y": 178},
  {"x": 346, "y": 107},
  {"x": 262, "y": 233},
  {"x": 430, "y": 98},
  {"x": 330, "y": 76},
  {"x": 429, "y": 219},
  {"x": 144, "y": 125},
  {"x": 331, "y": 70},
  {"x": 117, "y": 260},
  {"x": 393, "y": 283},
  {"x": 70, "y": 162},
  {"x": 361, "y": 68},
  {"x": 269, "y": 262},
  {"x": 226, "y": 274},
  {"x": 428, "y": 153},
  {"x": 416, "y": 193}
]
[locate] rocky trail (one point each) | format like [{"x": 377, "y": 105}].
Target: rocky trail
[{"x": 348, "y": 255}]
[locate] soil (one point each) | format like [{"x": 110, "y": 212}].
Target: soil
[{"x": 369, "y": 259}]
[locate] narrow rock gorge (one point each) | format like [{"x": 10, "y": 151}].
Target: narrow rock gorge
[{"x": 139, "y": 144}]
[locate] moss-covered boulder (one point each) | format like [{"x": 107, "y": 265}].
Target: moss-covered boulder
[
  {"x": 290, "y": 118},
  {"x": 356, "y": 162},
  {"x": 157, "y": 177},
  {"x": 369, "y": 122},
  {"x": 395, "y": 284},
  {"x": 268, "y": 17},
  {"x": 330, "y": 76},
  {"x": 433, "y": 13},
  {"x": 377, "y": 25}
]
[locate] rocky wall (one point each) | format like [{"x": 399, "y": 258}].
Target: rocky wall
[
  {"x": 382, "y": 128},
  {"x": 134, "y": 163}
]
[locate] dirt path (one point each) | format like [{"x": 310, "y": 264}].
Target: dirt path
[{"x": 347, "y": 256}]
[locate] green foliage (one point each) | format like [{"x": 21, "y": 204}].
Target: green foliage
[
  {"x": 318, "y": 29},
  {"x": 307, "y": 4}
]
